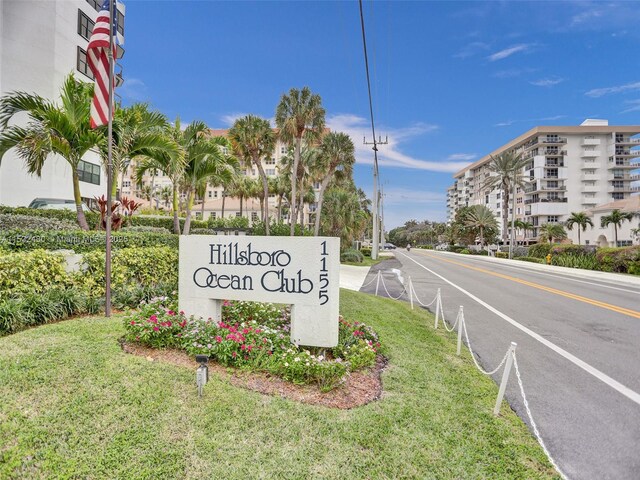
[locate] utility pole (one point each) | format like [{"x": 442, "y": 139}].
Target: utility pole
[
  {"x": 375, "y": 234},
  {"x": 382, "y": 238}
]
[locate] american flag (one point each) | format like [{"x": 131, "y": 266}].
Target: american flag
[{"x": 98, "y": 60}]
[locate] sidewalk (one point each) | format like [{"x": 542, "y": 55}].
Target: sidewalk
[
  {"x": 620, "y": 278},
  {"x": 352, "y": 277}
]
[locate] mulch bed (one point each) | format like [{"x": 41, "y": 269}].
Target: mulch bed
[{"x": 359, "y": 388}]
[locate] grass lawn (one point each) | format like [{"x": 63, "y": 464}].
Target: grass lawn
[
  {"x": 367, "y": 262},
  {"x": 73, "y": 405}
]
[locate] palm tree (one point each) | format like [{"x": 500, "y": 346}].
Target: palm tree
[
  {"x": 552, "y": 231},
  {"x": 171, "y": 164},
  {"x": 147, "y": 192},
  {"x": 165, "y": 195},
  {"x": 52, "y": 129},
  {"x": 524, "y": 226},
  {"x": 336, "y": 155},
  {"x": 205, "y": 161},
  {"x": 480, "y": 218},
  {"x": 240, "y": 187},
  {"x": 616, "y": 217},
  {"x": 299, "y": 114},
  {"x": 580, "y": 219},
  {"x": 282, "y": 186},
  {"x": 136, "y": 131},
  {"x": 342, "y": 216},
  {"x": 253, "y": 139},
  {"x": 507, "y": 168}
]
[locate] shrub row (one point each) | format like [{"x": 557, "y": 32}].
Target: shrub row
[
  {"x": 81, "y": 241},
  {"x": 530, "y": 259},
  {"x": 622, "y": 260},
  {"x": 352, "y": 256},
  {"x": 28, "y": 222}
]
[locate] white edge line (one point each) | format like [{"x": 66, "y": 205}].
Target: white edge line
[{"x": 603, "y": 377}]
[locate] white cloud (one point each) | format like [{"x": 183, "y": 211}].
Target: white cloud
[
  {"x": 507, "y": 52},
  {"x": 390, "y": 155},
  {"x": 513, "y": 72},
  {"x": 633, "y": 106},
  {"x": 404, "y": 196},
  {"x": 471, "y": 49},
  {"x": 508, "y": 123},
  {"x": 133, "y": 89},
  {"x": 547, "y": 82},
  {"x": 585, "y": 16},
  {"x": 599, "y": 92},
  {"x": 462, "y": 156}
]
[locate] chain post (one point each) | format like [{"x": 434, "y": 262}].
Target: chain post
[
  {"x": 460, "y": 322},
  {"x": 378, "y": 283},
  {"x": 438, "y": 307},
  {"x": 505, "y": 378}
]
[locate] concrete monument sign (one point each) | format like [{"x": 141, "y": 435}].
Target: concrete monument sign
[{"x": 299, "y": 271}]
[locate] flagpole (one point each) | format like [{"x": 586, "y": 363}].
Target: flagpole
[{"x": 107, "y": 263}]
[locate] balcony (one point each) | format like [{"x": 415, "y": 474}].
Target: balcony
[
  {"x": 585, "y": 177},
  {"x": 531, "y": 143},
  {"x": 627, "y": 153},
  {"x": 549, "y": 207},
  {"x": 627, "y": 141},
  {"x": 553, "y": 152},
  {"x": 634, "y": 177},
  {"x": 545, "y": 200},
  {"x": 590, "y": 141},
  {"x": 590, "y": 165},
  {"x": 554, "y": 140},
  {"x": 590, "y": 188},
  {"x": 626, "y": 188},
  {"x": 634, "y": 189},
  {"x": 590, "y": 153},
  {"x": 622, "y": 164}
]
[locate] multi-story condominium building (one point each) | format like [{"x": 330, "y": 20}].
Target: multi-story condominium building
[
  {"x": 568, "y": 169},
  {"x": 41, "y": 42}
]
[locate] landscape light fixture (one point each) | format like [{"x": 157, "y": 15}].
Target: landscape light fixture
[{"x": 202, "y": 373}]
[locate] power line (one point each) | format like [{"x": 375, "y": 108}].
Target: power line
[{"x": 366, "y": 64}]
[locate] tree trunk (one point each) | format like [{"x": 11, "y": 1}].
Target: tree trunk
[
  {"x": 264, "y": 202},
  {"x": 323, "y": 186},
  {"x": 279, "y": 208},
  {"x": 176, "y": 220},
  {"x": 240, "y": 205},
  {"x": 578, "y": 234},
  {"x": 505, "y": 212},
  {"x": 202, "y": 208},
  {"x": 82, "y": 220},
  {"x": 294, "y": 181},
  {"x": 615, "y": 234},
  {"x": 481, "y": 237},
  {"x": 187, "y": 220},
  {"x": 301, "y": 210}
]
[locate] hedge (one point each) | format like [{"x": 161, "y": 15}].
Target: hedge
[
  {"x": 530, "y": 259},
  {"x": 81, "y": 241},
  {"x": 28, "y": 222},
  {"x": 351, "y": 256},
  {"x": 622, "y": 260},
  {"x": 35, "y": 271},
  {"x": 539, "y": 250}
]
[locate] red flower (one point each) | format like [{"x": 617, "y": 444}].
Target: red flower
[
  {"x": 258, "y": 330},
  {"x": 183, "y": 323},
  {"x": 169, "y": 323},
  {"x": 181, "y": 312},
  {"x": 264, "y": 340},
  {"x": 245, "y": 331},
  {"x": 234, "y": 354},
  {"x": 242, "y": 347},
  {"x": 218, "y": 338},
  {"x": 153, "y": 319},
  {"x": 132, "y": 322},
  {"x": 171, "y": 312},
  {"x": 155, "y": 329},
  {"x": 270, "y": 352}
]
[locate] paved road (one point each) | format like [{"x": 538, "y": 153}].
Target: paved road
[{"x": 578, "y": 350}]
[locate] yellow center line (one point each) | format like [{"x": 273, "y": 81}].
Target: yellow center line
[{"x": 597, "y": 303}]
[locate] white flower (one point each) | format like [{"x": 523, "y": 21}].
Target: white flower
[
  {"x": 286, "y": 364},
  {"x": 320, "y": 358},
  {"x": 297, "y": 359},
  {"x": 307, "y": 364}
]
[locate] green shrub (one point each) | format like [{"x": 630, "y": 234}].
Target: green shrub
[
  {"x": 352, "y": 256},
  {"x": 80, "y": 241},
  {"x": 35, "y": 271},
  {"x": 530, "y": 259},
  {"x": 502, "y": 254},
  {"x": 366, "y": 251},
  {"x": 539, "y": 250},
  {"x": 480, "y": 252},
  {"x": 457, "y": 248},
  {"x": 64, "y": 214},
  {"x": 425, "y": 247},
  {"x": 146, "y": 229},
  {"x": 465, "y": 251},
  {"x": 163, "y": 222},
  {"x": 622, "y": 259},
  {"x": 204, "y": 231},
  {"x": 27, "y": 222},
  {"x": 571, "y": 250},
  {"x": 131, "y": 267},
  {"x": 587, "y": 261},
  {"x": 280, "y": 229}
]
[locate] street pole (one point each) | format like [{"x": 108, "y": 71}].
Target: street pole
[
  {"x": 376, "y": 203},
  {"x": 107, "y": 263}
]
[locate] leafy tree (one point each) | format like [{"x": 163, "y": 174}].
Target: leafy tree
[
  {"x": 480, "y": 218},
  {"x": 52, "y": 129},
  {"x": 507, "y": 168},
  {"x": 253, "y": 139},
  {"x": 337, "y": 156},
  {"x": 552, "y": 231},
  {"x": 299, "y": 115},
  {"x": 580, "y": 219},
  {"x": 524, "y": 226},
  {"x": 342, "y": 216},
  {"x": 617, "y": 218}
]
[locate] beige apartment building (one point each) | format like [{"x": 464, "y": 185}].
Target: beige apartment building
[{"x": 569, "y": 169}]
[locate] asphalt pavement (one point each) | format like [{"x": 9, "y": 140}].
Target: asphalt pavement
[{"x": 578, "y": 348}]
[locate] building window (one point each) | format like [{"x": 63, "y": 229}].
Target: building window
[
  {"x": 270, "y": 161},
  {"x": 617, "y": 196},
  {"x": 624, "y": 243},
  {"x": 126, "y": 183},
  {"x": 199, "y": 215},
  {"x": 85, "y": 25},
  {"x": 82, "y": 65},
  {"x": 95, "y": 4},
  {"x": 254, "y": 217},
  {"x": 88, "y": 172},
  {"x": 283, "y": 150},
  {"x": 552, "y": 219},
  {"x": 270, "y": 171},
  {"x": 212, "y": 215},
  {"x": 215, "y": 194},
  {"x": 238, "y": 214}
]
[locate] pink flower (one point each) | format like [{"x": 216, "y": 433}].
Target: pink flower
[
  {"x": 234, "y": 354},
  {"x": 242, "y": 347},
  {"x": 258, "y": 330},
  {"x": 183, "y": 323},
  {"x": 218, "y": 338},
  {"x": 264, "y": 340},
  {"x": 171, "y": 312},
  {"x": 181, "y": 312},
  {"x": 169, "y": 324},
  {"x": 245, "y": 331},
  {"x": 209, "y": 345},
  {"x": 153, "y": 319},
  {"x": 132, "y": 322},
  {"x": 155, "y": 329}
]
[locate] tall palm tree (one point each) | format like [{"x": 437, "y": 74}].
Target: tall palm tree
[
  {"x": 282, "y": 186},
  {"x": 205, "y": 161},
  {"x": 342, "y": 216},
  {"x": 336, "y": 156},
  {"x": 171, "y": 164},
  {"x": 524, "y": 226},
  {"x": 240, "y": 188},
  {"x": 507, "y": 168},
  {"x": 253, "y": 139},
  {"x": 52, "y": 129},
  {"x": 552, "y": 231},
  {"x": 480, "y": 218},
  {"x": 165, "y": 195},
  {"x": 581, "y": 219},
  {"x": 616, "y": 217},
  {"x": 136, "y": 131},
  {"x": 299, "y": 114}
]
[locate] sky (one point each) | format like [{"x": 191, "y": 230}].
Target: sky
[{"x": 451, "y": 81}]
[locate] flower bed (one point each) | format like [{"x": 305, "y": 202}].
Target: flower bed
[{"x": 254, "y": 336}]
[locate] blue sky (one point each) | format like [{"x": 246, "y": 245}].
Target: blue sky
[{"x": 452, "y": 81}]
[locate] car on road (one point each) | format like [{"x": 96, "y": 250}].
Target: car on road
[
  {"x": 389, "y": 246},
  {"x": 55, "y": 204}
]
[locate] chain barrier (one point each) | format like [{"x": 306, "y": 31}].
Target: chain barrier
[
  {"x": 473, "y": 356},
  {"x": 371, "y": 281},
  {"x": 413, "y": 292},
  {"x": 533, "y": 423},
  {"x": 388, "y": 294}
]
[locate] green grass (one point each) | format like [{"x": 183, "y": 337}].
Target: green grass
[
  {"x": 73, "y": 405},
  {"x": 367, "y": 262}
]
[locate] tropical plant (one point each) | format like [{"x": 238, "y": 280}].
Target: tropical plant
[
  {"x": 524, "y": 226},
  {"x": 480, "y": 218},
  {"x": 52, "y": 129},
  {"x": 506, "y": 168},
  {"x": 617, "y": 218},
  {"x": 299, "y": 115},
  {"x": 552, "y": 231},
  {"x": 165, "y": 195},
  {"x": 336, "y": 156},
  {"x": 342, "y": 216},
  {"x": 581, "y": 219},
  {"x": 253, "y": 139}
]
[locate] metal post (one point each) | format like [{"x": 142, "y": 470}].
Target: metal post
[
  {"x": 438, "y": 307},
  {"x": 378, "y": 283},
  {"x": 411, "y": 293},
  {"x": 505, "y": 378},
  {"x": 460, "y": 321},
  {"x": 376, "y": 238},
  {"x": 107, "y": 263}
]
